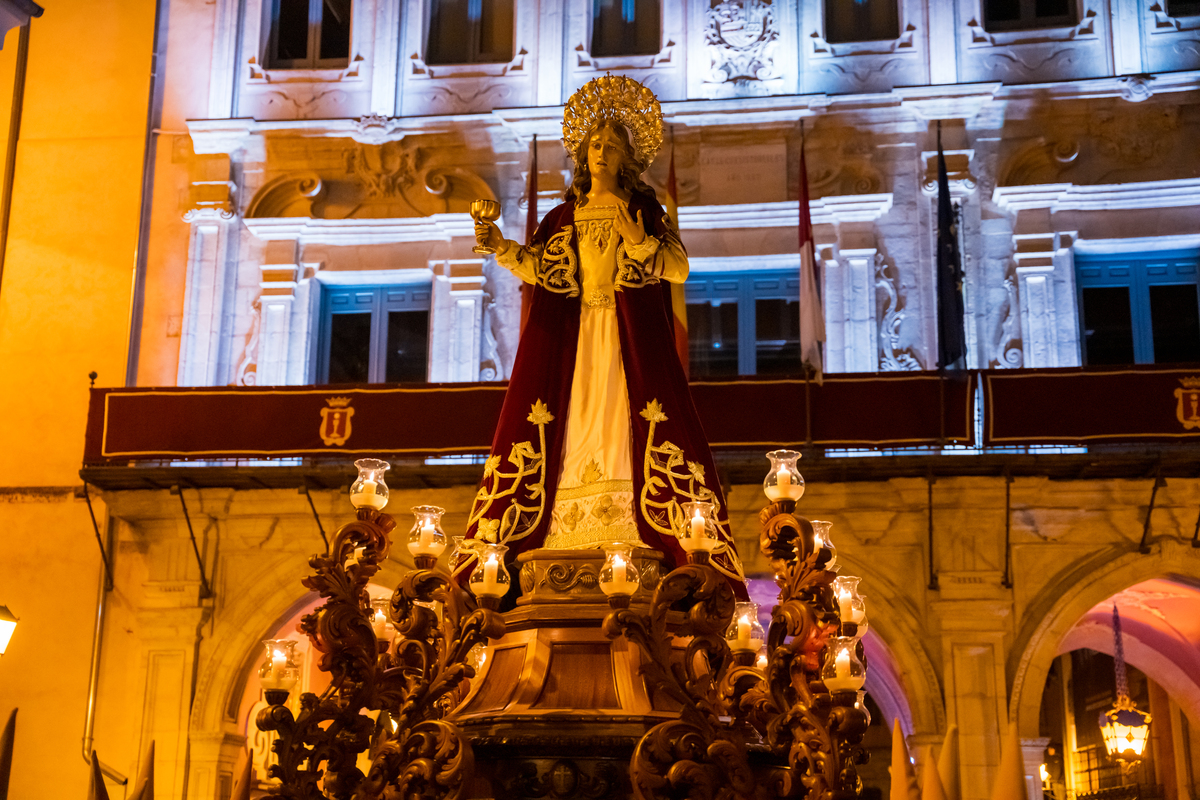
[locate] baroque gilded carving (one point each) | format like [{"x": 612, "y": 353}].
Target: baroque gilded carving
[{"x": 741, "y": 37}]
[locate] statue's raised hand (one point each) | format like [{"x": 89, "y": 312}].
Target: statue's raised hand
[{"x": 631, "y": 231}]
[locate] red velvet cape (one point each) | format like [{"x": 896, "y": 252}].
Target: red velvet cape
[{"x": 543, "y": 371}]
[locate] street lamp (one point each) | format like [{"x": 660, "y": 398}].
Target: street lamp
[
  {"x": 8, "y": 624},
  {"x": 1126, "y": 729}
]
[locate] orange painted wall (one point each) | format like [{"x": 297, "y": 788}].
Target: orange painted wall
[{"x": 64, "y": 311}]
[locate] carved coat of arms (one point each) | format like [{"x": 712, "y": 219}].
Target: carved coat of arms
[
  {"x": 1187, "y": 405},
  {"x": 335, "y": 421},
  {"x": 741, "y": 36}
]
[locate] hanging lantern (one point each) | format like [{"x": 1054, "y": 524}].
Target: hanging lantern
[{"x": 1126, "y": 729}]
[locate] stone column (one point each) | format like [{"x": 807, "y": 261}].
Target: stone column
[
  {"x": 851, "y": 326},
  {"x": 1046, "y": 293},
  {"x": 285, "y": 340},
  {"x": 1033, "y": 754},
  {"x": 456, "y": 321},
  {"x": 209, "y": 286},
  {"x": 974, "y": 612}
]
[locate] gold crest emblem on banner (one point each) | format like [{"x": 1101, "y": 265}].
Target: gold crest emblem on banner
[
  {"x": 1187, "y": 409},
  {"x": 335, "y": 421}
]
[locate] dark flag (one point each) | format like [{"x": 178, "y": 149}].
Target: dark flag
[{"x": 952, "y": 345}]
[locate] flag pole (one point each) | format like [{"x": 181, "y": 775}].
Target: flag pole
[
  {"x": 941, "y": 441},
  {"x": 808, "y": 433}
]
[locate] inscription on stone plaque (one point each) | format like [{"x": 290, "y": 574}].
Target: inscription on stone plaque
[{"x": 754, "y": 174}]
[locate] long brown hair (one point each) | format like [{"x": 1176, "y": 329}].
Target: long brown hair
[{"x": 629, "y": 178}]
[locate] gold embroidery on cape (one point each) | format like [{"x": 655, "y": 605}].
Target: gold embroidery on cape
[
  {"x": 634, "y": 274},
  {"x": 559, "y": 266},
  {"x": 519, "y": 519},
  {"x": 666, "y": 467}
]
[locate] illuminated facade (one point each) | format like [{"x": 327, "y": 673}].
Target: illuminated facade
[{"x": 311, "y": 170}]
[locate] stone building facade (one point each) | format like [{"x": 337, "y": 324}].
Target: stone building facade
[{"x": 288, "y": 173}]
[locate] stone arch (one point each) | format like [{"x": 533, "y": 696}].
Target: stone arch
[
  {"x": 1058, "y": 607},
  {"x": 230, "y": 652}
]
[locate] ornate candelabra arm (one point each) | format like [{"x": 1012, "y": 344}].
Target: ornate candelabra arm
[
  {"x": 426, "y": 755},
  {"x": 696, "y": 755}
]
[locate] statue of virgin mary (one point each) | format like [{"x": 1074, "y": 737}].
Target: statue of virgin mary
[{"x": 598, "y": 440}]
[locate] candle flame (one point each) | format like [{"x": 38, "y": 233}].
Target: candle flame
[
  {"x": 279, "y": 655},
  {"x": 491, "y": 559},
  {"x": 618, "y": 562}
]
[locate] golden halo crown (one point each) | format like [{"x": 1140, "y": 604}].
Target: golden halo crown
[{"x": 619, "y": 99}]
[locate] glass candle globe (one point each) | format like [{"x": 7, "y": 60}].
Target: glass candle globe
[
  {"x": 745, "y": 633},
  {"x": 821, "y": 540},
  {"x": 379, "y": 618},
  {"x": 843, "y": 672},
  {"x": 618, "y": 576},
  {"x": 852, "y": 606},
  {"x": 698, "y": 530},
  {"x": 490, "y": 577},
  {"x": 369, "y": 491},
  {"x": 279, "y": 671},
  {"x": 783, "y": 481},
  {"x": 427, "y": 537}
]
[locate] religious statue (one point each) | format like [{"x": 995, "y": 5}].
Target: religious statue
[{"x": 598, "y": 440}]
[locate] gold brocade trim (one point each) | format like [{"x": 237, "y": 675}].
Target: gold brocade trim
[
  {"x": 634, "y": 274},
  {"x": 518, "y": 520},
  {"x": 559, "y": 266},
  {"x": 661, "y": 469},
  {"x": 601, "y": 487}
]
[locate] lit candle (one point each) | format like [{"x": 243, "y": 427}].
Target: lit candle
[
  {"x": 490, "y": 585},
  {"x": 427, "y": 545},
  {"x": 784, "y": 479},
  {"x": 620, "y": 583},
  {"x": 842, "y": 678},
  {"x": 368, "y": 495},
  {"x": 379, "y": 624},
  {"x": 744, "y": 643},
  {"x": 848, "y": 610},
  {"x": 697, "y": 527}
]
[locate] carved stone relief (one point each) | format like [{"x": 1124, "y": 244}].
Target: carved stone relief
[
  {"x": 1135, "y": 135},
  {"x": 892, "y": 356},
  {"x": 1006, "y": 344},
  {"x": 383, "y": 170},
  {"x": 741, "y": 37}
]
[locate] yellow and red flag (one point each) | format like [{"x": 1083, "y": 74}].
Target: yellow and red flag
[
  {"x": 531, "y": 224},
  {"x": 678, "y": 292}
]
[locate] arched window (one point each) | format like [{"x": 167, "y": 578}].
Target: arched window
[
  {"x": 861, "y": 20},
  {"x": 309, "y": 34},
  {"x": 470, "y": 32},
  {"x": 626, "y": 27}
]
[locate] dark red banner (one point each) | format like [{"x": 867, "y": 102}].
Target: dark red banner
[
  {"x": 1074, "y": 406},
  {"x": 428, "y": 419}
]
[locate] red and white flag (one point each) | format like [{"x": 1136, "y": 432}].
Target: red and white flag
[
  {"x": 812, "y": 316},
  {"x": 678, "y": 292}
]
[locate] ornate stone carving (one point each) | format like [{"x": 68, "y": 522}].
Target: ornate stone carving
[
  {"x": 290, "y": 195},
  {"x": 563, "y": 779},
  {"x": 892, "y": 357},
  {"x": 1136, "y": 88},
  {"x": 384, "y": 170},
  {"x": 1008, "y": 349},
  {"x": 373, "y": 129},
  {"x": 741, "y": 37},
  {"x": 1135, "y": 135}
]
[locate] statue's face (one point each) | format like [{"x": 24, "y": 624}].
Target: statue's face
[{"x": 606, "y": 153}]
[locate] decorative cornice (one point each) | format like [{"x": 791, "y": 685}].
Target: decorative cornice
[
  {"x": 1177, "y": 193},
  {"x": 307, "y": 230},
  {"x": 825, "y": 211}
]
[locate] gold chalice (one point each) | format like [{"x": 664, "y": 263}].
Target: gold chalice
[{"x": 484, "y": 211}]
